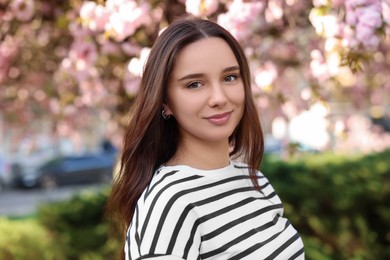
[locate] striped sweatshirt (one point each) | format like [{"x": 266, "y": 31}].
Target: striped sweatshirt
[{"x": 187, "y": 213}]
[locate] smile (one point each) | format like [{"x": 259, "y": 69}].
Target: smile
[{"x": 219, "y": 119}]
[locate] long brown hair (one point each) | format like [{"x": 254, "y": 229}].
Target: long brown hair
[{"x": 151, "y": 141}]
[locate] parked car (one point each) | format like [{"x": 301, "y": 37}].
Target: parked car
[
  {"x": 88, "y": 168},
  {"x": 5, "y": 174}
]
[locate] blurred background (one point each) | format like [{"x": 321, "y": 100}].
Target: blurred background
[{"x": 69, "y": 71}]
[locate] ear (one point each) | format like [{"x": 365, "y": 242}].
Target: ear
[{"x": 167, "y": 109}]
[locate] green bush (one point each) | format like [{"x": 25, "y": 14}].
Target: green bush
[
  {"x": 25, "y": 239},
  {"x": 78, "y": 226},
  {"x": 339, "y": 204}
]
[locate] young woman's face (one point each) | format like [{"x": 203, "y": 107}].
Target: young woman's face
[{"x": 205, "y": 92}]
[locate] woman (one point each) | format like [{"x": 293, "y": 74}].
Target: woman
[{"x": 180, "y": 190}]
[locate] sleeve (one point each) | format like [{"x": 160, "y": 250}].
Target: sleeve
[
  {"x": 267, "y": 190},
  {"x": 163, "y": 227}
]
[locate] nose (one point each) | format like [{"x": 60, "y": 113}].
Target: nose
[{"x": 217, "y": 95}]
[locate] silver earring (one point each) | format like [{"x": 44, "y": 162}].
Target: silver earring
[{"x": 164, "y": 115}]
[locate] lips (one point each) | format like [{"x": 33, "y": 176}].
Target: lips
[{"x": 219, "y": 119}]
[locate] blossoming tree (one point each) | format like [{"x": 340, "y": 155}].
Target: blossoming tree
[{"x": 317, "y": 65}]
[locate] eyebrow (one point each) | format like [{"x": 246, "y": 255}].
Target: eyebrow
[{"x": 198, "y": 75}]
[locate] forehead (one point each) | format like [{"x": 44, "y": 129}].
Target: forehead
[{"x": 206, "y": 55}]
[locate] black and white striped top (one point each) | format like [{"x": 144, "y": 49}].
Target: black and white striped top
[{"x": 187, "y": 213}]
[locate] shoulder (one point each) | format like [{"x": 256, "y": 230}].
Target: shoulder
[
  {"x": 262, "y": 180},
  {"x": 166, "y": 193},
  {"x": 169, "y": 180},
  {"x": 245, "y": 168},
  {"x": 162, "y": 209}
]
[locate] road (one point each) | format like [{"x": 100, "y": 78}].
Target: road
[{"x": 20, "y": 202}]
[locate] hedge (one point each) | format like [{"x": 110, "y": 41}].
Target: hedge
[
  {"x": 339, "y": 204},
  {"x": 25, "y": 239},
  {"x": 78, "y": 225}
]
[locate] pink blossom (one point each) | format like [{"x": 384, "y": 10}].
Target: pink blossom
[
  {"x": 241, "y": 18},
  {"x": 370, "y": 13},
  {"x": 81, "y": 60},
  {"x": 110, "y": 48},
  {"x": 331, "y": 44},
  {"x": 318, "y": 66},
  {"x": 84, "y": 53},
  {"x": 201, "y": 7},
  {"x": 366, "y": 35},
  {"x": 130, "y": 49},
  {"x": 364, "y": 11},
  {"x": 124, "y": 21},
  {"x": 284, "y": 51},
  {"x": 102, "y": 15},
  {"x": 78, "y": 31},
  {"x": 318, "y": 3},
  {"x": 297, "y": 6},
  {"x": 357, "y": 3},
  {"x": 136, "y": 65},
  {"x": 371, "y": 17},
  {"x": 337, "y": 3},
  {"x": 87, "y": 10},
  {"x": 378, "y": 97},
  {"x": 8, "y": 50},
  {"x": 94, "y": 16},
  {"x": 133, "y": 72},
  {"x": 92, "y": 91},
  {"x": 315, "y": 120},
  {"x": 54, "y": 106},
  {"x": 266, "y": 75},
  {"x": 23, "y": 9},
  {"x": 351, "y": 17},
  {"x": 274, "y": 11},
  {"x": 115, "y": 5},
  {"x": 332, "y": 26},
  {"x": 326, "y": 25},
  {"x": 363, "y": 18},
  {"x": 386, "y": 12},
  {"x": 132, "y": 85},
  {"x": 306, "y": 93},
  {"x": 349, "y": 39},
  {"x": 362, "y": 136}
]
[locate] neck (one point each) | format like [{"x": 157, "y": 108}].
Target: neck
[{"x": 202, "y": 155}]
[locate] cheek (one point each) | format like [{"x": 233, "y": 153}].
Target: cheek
[
  {"x": 239, "y": 101},
  {"x": 238, "y": 96},
  {"x": 242, "y": 98},
  {"x": 182, "y": 105}
]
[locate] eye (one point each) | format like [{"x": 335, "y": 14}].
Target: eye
[
  {"x": 231, "y": 78},
  {"x": 193, "y": 85}
]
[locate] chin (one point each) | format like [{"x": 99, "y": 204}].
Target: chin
[{"x": 219, "y": 137}]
